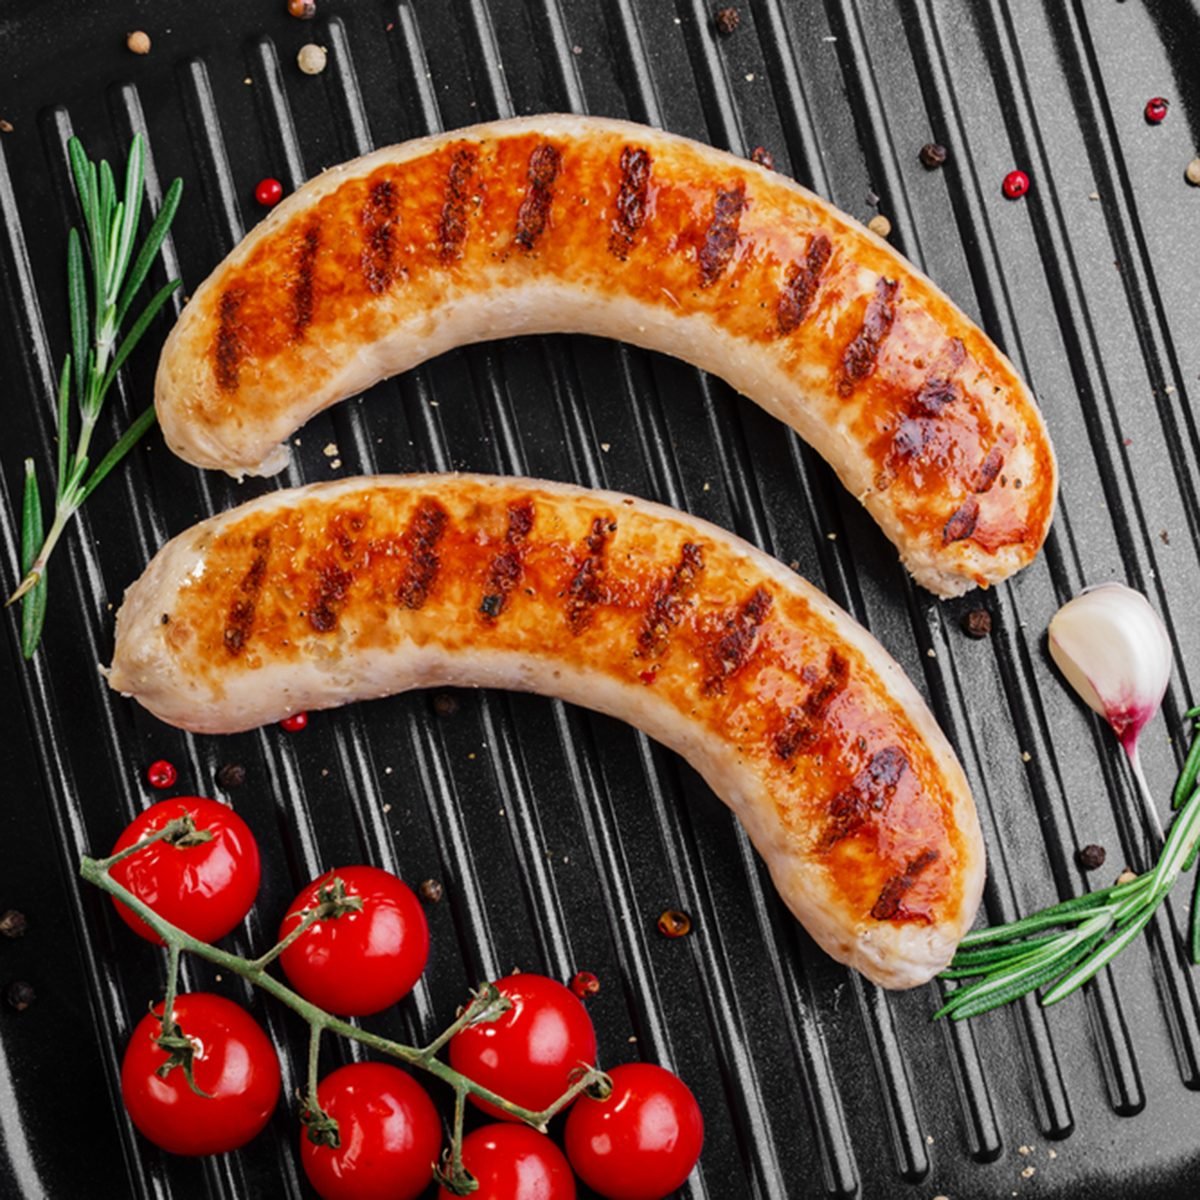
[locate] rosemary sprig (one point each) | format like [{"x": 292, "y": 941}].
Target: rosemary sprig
[
  {"x": 98, "y": 308},
  {"x": 1062, "y": 947}
]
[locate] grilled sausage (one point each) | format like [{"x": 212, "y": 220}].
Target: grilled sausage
[
  {"x": 578, "y": 224},
  {"x": 794, "y": 714}
]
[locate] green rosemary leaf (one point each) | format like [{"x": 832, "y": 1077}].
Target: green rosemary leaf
[
  {"x": 126, "y": 443},
  {"x": 78, "y": 305},
  {"x": 1195, "y": 939},
  {"x": 33, "y": 603},
  {"x": 981, "y": 960},
  {"x": 64, "y": 424},
  {"x": 136, "y": 330},
  {"x": 1076, "y": 978},
  {"x": 1186, "y": 783},
  {"x": 131, "y": 207},
  {"x": 154, "y": 239}
]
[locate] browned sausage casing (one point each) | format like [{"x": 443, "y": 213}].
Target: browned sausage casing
[
  {"x": 582, "y": 224},
  {"x": 796, "y": 716}
]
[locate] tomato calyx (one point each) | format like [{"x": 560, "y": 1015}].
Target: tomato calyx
[
  {"x": 451, "y": 1174},
  {"x": 335, "y": 903},
  {"x": 181, "y": 1052},
  {"x": 599, "y": 1086},
  {"x": 319, "y": 1127}
]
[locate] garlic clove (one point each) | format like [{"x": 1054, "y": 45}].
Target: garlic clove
[{"x": 1114, "y": 651}]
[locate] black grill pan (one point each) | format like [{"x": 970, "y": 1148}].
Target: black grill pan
[{"x": 559, "y": 835}]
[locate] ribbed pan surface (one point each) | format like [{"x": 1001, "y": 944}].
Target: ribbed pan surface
[{"x": 560, "y": 836}]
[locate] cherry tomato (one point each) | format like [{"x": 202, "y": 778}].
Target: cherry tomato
[
  {"x": 528, "y": 1053},
  {"x": 389, "y": 1132},
  {"x": 207, "y": 888},
  {"x": 233, "y": 1062},
  {"x": 515, "y": 1162},
  {"x": 643, "y": 1141},
  {"x": 359, "y": 962}
]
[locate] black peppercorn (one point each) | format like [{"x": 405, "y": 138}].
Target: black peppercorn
[
  {"x": 977, "y": 623},
  {"x": 13, "y": 924},
  {"x": 727, "y": 20},
  {"x": 445, "y": 705},
  {"x": 932, "y": 156},
  {"x": 431, "y": 890},
  {"x": 1091, "y": 857},
  {"x": 231, "y": 775},
  {"x": 19, "y": 995}
]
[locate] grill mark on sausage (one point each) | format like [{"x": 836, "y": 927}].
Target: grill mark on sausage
[
  {"x": 302, "y": 287},
  {"x": 939, "y": 389},
  {"x": 803, "y": 280},
  {"x": 229, "y": 346},
  {"x": 631, "y": 201},
  {"x": 544, "y": 165},
  {"x": 452, "y": 227},
  {"x": 665, "y": 610},
  {"x": 586, "y": 588},
  {"x": 507, "y": 567},
  {"x": 868, "y": 792},
  {"x": 333, "y": 584},
  {"x": 720, "y": 238},
  {"x": 420, "y": 539},
  {"x": 800, "y": 730},
  {"x": 962, "y": 523},
  {"x": 379, "y": 221},
  {"x": 989, "y": 469},
  {"x": 860, "y": 355},
  {"x": 889, "y": 907},
  {"x": 240, "y": 619},
  {"x": 732, "y": 650}
]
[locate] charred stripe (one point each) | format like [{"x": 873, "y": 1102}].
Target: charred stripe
[
  {"x": 302, "y": 287},
  {"x": 378, "y": 224},
  {"x": 888, "y": 906},
  {"x": 631, "y": 200},
  {"x": 962, "y": 523},
  {"x": 452, "y": 228},
  {"x": 803, "y": 280},
  {"x": 720, "y": 238},
  {"x": 869, "y": 791},
  {"x": 544, "y": 164},
  {"x": 586, "y": 588},
  {"x": 800, "y": 730},
  {"x": 420, "y": 539},
  {"x": 229, "y": 347},
  {"x": 240, "y": 620},
  {"x": 507, "y": 567},
  {"x": 732, "y": 650},
  {"x": 666, "y": 608},
  {"x": 861, "y": 354}
]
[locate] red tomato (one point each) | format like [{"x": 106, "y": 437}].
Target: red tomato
[
  {"x": 234, "y": 1063},
  {"x": 515, "y": 1162},
  {"x": 528, "y": 1054},
  {"x": 643, "y": 1141},
  {"x": 389, "y": 1131},
  {"x": 205, "y": 889},
  {"x": 360, "y": 962}
]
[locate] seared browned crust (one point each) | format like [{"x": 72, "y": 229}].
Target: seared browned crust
[
  {"x": 579, "y": 223},
  {"x": 799, "y": 719}
]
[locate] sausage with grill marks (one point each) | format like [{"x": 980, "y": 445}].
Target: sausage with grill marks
[
  {"x": 582, "y": 224},
  {"x": 794, "y": 714}
]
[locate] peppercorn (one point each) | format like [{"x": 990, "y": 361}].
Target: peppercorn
[
  {"x": 1192, "y": 173},
  {"x": 674, "y": 924},
  {"x": 431, "y": 890},
  {"x": 585, "y": 984},
  {"x": 932, "y": 155},
  {"x": 977, "y": 623},
  {"x": 161, "y": 774},
  {"x": 1156, "y": 110},
  {"x": 20, "y": 995},
  {"x": 138, "y": 41},
  {"x": 302, "y": 10},
  {"x": 13, "y": 924},
  {"x": 727, "y": 20},
  {"x": 268, "y": 192},
  {"x": 1016, "y": 184},
  {"x": 879, "y": 224},
  {"x": 295, "y": 723},
  {"x": 763, "y": 156},
  {"x": 231, "y": 775},
  {"x": 445, "y": 705},
  {"x": 1091, "y": 857},
  {"x": 311, "y": 59}
]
